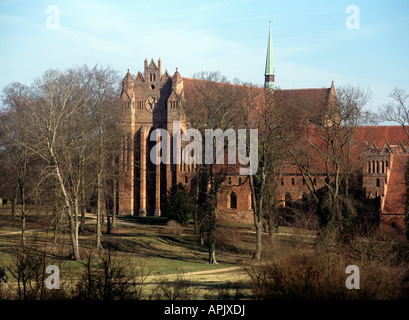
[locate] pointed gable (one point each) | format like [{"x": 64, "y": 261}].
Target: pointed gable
[
  {"x": 400, "y": 148},
  {"x": 139, "y": 77},
  {"x": 165, "y": 76},
  {"x": 386, "y": 146},
  {"x": 152, "y": 64},
  {"x": 125, "y": 96}
]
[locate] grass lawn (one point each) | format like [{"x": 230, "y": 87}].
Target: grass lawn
[{"x": 146, "y": 241}]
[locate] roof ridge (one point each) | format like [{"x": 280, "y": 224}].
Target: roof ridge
[
  {"x": 382, "y": 126},
  {"x": 305, "y": 89}
]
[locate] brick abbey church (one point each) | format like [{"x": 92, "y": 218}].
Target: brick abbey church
[{"x": 153, "y": 99}]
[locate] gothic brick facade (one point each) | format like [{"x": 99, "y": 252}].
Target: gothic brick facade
[{"x": 152, "y": 100}]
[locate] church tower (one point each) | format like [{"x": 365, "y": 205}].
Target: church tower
[
  {"x": 149, "y": 100},
  {"x": 269, "y": 77}
]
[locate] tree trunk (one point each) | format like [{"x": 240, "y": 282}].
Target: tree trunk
[
  {"x": 76, "y": 229},
  {"x": 23, "y": 213},
  {"x": 259, "y": 232},
  {"x": 55, "y": 214},
  {"x": 14, "y": 202},
  {"x": 108, "y": 223},
  {"x": 212, "y": 256},
  {"x": 13, "y": 206},
  {"x": 99, "y": 211},
  {"x": 71, "y": 212},
  {"x": 195, "y": 217},
  {"x": 212, "y": 219},
  {"x": 114, "y": 195},
  {"x": 83, "y": 201}
]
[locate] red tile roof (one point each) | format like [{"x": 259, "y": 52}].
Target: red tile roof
[
  {"x": 380, "y": 134},
  {"x": 395, "y": 197}
]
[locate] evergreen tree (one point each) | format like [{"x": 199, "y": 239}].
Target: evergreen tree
[{"x": 179, "y": 204}]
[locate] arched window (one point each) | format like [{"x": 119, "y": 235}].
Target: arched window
[
  {"x": 369, "y": 166},
  {"x": 251, "y": 204},
  {"x": 377, "y": 166},
  {"x": 383, "y": 167},
  {"x": 373, "y": 166},
  {"x": 233, "y": 200},
  {"x": 292, "y": 181}
]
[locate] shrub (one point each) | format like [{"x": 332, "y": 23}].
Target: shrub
[
  {"x": 108, "y": 276},
  {"x": 28, "y": 267},
  {"x": 320, "y": 273},
  {"x": 173, "y": 228},
  {"x": 179, "y": 289},
  {"x": 228, "y": 237}
]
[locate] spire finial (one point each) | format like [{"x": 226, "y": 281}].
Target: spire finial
[{"x": 269, "y": 72}]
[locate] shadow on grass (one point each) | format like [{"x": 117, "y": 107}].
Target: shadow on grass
[{"x": 153, "y": 221}]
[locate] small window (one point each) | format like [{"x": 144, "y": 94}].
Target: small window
[
  {"x": 292, "y": 181},
  {"x": 282, "y": 181},
  {"x": 229, "y": 180},
  {"x": 378, "y": 183},
  {"x": 233, "y": 201},
  {"x": 186, "y": 180}
]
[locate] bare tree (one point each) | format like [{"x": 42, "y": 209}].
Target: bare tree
[
  {"x": 325, "y": 148},
  {"x": 212, "y": 104},
  {"x": 103, "y": 100},
  {"x": 57, "y": 113},
  {"x": 398, "y": 110},
  {"x": 260, "y": 112},
  {"x": 17, "y": 156}
]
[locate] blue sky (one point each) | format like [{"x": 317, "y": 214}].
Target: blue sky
[{"x": 311, "y": 42}]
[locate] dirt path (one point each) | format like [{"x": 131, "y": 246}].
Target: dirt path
[{"x": 195, "y": 273}]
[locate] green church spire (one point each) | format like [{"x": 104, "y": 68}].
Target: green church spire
[{"x": 269, "y": 73}]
